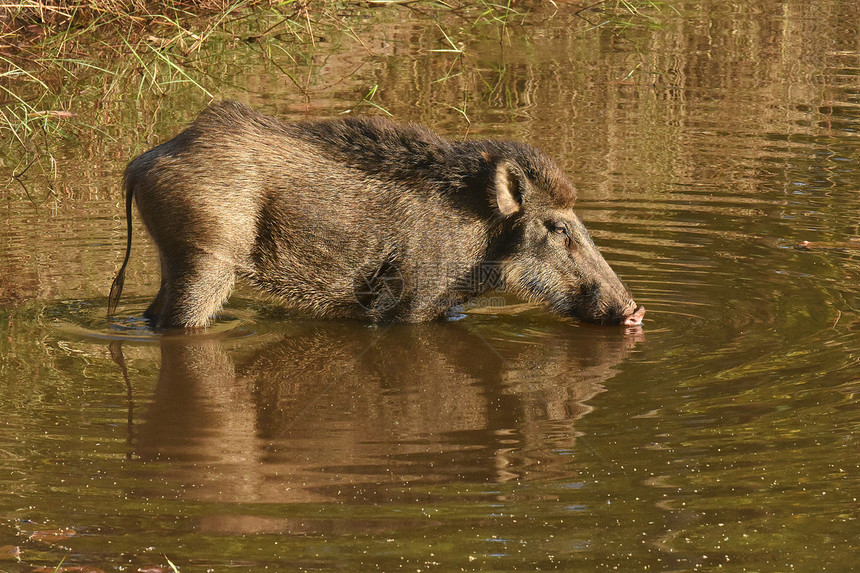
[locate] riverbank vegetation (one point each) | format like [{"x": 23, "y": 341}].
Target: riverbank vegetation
[
  {"x": 46, "y": 45},
  {"x": 64, "y": 64},
  {"x": 44, "y": 42}
]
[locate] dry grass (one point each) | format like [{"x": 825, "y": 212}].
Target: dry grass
[
  {"x": 26, "y": 17},
  {"x": 47, "y": 45},
  {"x": 50, "y": 48}
]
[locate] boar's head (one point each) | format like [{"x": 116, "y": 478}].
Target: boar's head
[{"x": 552, "y": 258}]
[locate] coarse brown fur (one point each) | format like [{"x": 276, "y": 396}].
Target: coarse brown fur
[{"x": 359, "y": 218}]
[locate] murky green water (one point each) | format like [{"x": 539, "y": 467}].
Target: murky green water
[{"x": 707, "y": 140}]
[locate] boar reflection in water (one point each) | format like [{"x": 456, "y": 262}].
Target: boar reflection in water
[
  {"x": 360, "y": 218},
  {"x": 335, "y": 408}
]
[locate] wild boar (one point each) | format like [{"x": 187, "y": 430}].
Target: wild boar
[{"x": 360, "y": 218}]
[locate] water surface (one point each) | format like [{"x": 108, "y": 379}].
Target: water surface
[{"x": 708, "y": 142}]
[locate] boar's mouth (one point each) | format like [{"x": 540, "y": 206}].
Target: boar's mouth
[
  {"x": 610, "y": 306},
  {"x": 587, "y": 309},
  {"x": 630, "y": 318}
]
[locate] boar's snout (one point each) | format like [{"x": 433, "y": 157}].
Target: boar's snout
[
  {"x": 607, "y": 302},
  {"x": 626, "y": 315},
  {"x": 631, "y": 315},
  {"x": 634, "y": 319}
]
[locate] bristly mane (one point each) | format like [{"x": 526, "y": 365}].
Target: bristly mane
[{"x": 404, "y": 152}]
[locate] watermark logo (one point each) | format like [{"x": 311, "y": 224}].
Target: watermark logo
[
  {"x": 383, "y": 289},
  {"x": 380, "y": 291}
]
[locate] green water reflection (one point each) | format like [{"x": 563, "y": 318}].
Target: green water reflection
[{"x": 708, "y": 140}]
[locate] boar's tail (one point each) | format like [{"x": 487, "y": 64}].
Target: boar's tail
[{"x": 119, "y": 281}]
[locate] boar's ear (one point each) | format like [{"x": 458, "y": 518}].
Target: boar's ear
[{"x": 509, "y": 187}]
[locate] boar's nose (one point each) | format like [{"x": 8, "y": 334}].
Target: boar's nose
[{"x": 634, "y": 319}]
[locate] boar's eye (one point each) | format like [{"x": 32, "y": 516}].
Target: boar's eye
[{"x": 559, "y": 229}]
